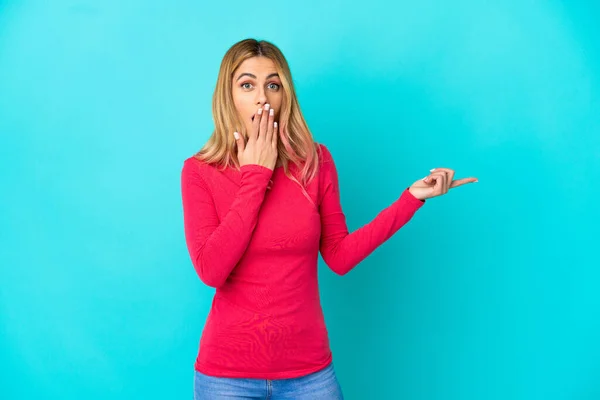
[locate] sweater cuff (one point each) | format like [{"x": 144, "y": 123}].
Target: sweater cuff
[
  {"x": 256, "y": 173},
  {"x": 409, "y": 197}
]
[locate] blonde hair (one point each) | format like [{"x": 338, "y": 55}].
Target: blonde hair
[{"x": 295, "y": 141}]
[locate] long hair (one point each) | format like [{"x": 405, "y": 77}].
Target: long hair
[{"x": 295, "y": 142}]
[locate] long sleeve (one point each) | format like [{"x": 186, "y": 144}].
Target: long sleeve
[
  {"x": 215, "y": 247},
  {"x": 342, "y": 250}
]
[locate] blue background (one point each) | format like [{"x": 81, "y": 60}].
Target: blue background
[{"x": 490, "y": 292}]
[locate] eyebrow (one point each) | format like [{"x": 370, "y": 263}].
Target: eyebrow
[{"x": 254, "y": 76}]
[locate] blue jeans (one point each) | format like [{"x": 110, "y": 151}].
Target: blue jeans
[{"x": 320, "y": 385}]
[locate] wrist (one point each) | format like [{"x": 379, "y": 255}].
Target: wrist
[{"x": 416, "y": 196}]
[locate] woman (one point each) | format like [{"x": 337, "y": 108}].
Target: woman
[{"x": 260, "y": 200}]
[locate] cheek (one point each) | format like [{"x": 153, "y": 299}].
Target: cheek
[
  {"x": 238, "y": 101},
  {"x": 241, "y": 100},
  {"x": 276, "y": 102},
  {"x": 243, "y": 107}
]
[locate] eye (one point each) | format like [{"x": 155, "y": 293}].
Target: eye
[
  {"x": 276, "y": 86},
  {"x": 243, "y": 85}
]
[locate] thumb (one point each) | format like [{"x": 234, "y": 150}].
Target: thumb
[{"x": 240, "y": 142}]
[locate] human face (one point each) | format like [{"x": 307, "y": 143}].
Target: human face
[{"x": 256, "y": 83}]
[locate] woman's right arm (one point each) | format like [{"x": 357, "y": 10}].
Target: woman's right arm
[{"x": 216, "y": 247}]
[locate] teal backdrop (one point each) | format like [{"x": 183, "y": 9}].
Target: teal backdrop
[{"x": 490, "y": 292}]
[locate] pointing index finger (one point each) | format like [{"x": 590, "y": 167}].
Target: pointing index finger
[{"x": 463, "y": 181}]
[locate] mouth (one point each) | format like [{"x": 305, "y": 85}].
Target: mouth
[{"x": 252, "y": 117}]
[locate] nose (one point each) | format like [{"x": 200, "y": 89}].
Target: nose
[{"x": 261, "y": 97}]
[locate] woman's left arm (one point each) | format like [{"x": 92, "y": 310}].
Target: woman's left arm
[{"x": 342, "y": 250}]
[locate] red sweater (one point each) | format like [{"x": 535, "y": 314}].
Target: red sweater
[{"x": 257, "y": 243}]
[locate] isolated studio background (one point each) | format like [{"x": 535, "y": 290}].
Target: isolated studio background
[{"x": 488, "y": 293}]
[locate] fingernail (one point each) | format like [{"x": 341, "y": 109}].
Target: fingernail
[
  {"x": 424, "y": 179},
  {"x": 236, "y": 135},
  {"x": 267, "y": 106},
  {"x": 271, "y": 112},
  {"x": 259, "y": 111},
  {"x": 431, "y": 170},
  {"x": 275, "y": 124}
]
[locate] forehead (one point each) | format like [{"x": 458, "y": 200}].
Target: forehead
[{"x": 259, "y": 66}]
